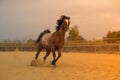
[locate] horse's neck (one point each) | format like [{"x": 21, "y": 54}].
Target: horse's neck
[{"x": 60, "y": 33}]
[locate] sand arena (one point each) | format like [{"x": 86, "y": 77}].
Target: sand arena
[{"x": 71, "y": 66}]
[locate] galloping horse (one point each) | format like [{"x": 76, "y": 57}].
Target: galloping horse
[{"x": 53, "y": 42}]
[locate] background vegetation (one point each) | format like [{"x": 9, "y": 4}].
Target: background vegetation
[{"x": 74, "y": 42}]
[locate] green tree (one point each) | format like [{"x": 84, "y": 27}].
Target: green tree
[
  {"x": 74, "y": 34},
  {"x": 112, "y": 37}
]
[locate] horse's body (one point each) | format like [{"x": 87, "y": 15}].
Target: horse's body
[{"x": 52, "y": 42}]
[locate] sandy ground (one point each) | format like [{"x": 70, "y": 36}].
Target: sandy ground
[{"x": 71, "y": 66}]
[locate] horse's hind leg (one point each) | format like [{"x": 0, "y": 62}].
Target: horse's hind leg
[
  {"x": 46, "y": 55},
  {"x": 36, "y": 56},
  {"x": 38, "y": 52}
]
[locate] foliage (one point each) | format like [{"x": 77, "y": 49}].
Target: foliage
[
  {"x": 74, "y": 34},
  {"x": 112, "y": 37}
]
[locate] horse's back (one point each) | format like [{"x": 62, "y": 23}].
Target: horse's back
[{"x": 45, "y": 39}]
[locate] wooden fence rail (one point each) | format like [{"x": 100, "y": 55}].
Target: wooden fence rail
[{"x": 73, "y": 48}]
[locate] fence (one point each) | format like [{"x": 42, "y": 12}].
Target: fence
[
  {"x": 68, "y": 47},
  {"x": 92, "y": 48}
]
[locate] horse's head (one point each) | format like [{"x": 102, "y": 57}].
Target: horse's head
[
  {"x": 66, "y": 23},
  {"x": 63, "y": 23}
]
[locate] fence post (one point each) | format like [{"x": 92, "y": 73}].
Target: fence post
[{"x": 119, "y": 46}]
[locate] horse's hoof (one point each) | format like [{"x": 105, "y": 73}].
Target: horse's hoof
[
  {"x": 54, "y": 66},
  {"x": 53, "y": 63},
  {"x": 35, "y": 58}
]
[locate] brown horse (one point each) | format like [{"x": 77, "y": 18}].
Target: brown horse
[{"x": 53, "y": 42}]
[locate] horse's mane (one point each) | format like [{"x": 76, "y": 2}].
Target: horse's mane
[
  {"x": 59, "y": 21},
  {"x": 41, "y": 34}
]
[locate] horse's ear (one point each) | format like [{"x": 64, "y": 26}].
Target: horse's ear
[{"x": 69, "y": 17}]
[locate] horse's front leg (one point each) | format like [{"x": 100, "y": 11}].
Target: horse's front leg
[
  {"x": 59, "y": 55},
  {"x": 54, "y": 55}
]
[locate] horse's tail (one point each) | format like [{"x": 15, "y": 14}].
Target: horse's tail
[{"x": 41, "y": 35}]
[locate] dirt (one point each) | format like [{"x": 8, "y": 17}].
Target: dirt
[{"x": 71, "y": 66}]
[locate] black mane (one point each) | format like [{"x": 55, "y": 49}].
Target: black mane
[{"x": 59, "y": 21}]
